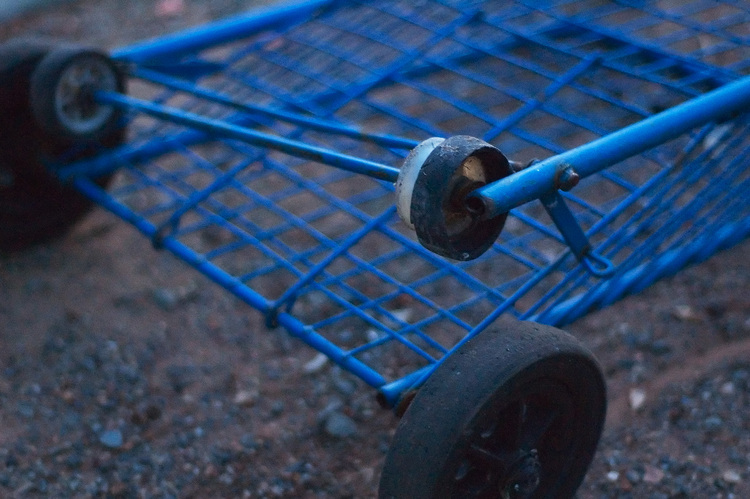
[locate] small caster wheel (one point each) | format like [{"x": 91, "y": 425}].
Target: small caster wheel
[
  {"x": 517, "y": 412},
  {"x": 431, "y": 195},
  {"x": 34, "y": 206},
  {"x": 62, "y": 94}
]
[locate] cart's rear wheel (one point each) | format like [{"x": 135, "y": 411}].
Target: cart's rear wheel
[
  {"x": 34, "y": 206},
  {"x": 515, "y": 413}
]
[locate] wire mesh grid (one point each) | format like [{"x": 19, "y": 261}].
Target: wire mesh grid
[{"x": 325, "y": 246}]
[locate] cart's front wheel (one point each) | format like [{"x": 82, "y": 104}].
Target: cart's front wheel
[
  {"x": 34, "y": 206},
  {"x": 63, "y": 88},
  {"x": 515, "y": 413}
]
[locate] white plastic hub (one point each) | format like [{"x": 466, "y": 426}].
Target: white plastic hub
[
  {"x": 408, "y": 174},
  {"x": 76, "y": 114}
]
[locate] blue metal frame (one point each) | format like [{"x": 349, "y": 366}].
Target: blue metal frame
[
  {"x": 225, "y": 129},
  {"x": 229, "y": 144},
  {"x": 188, "y": 41}
]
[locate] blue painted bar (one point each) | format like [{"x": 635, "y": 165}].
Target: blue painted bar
[
  {"x": 308, "y": 122},
  {"x": 564, "y": 219},
  {"x": 228, "y": 130},
  {"x": 207, "y": 35},
  {"x": 540, "y": 178}
]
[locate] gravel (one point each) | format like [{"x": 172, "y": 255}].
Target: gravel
[
  {"x": 126, "y": 375},
  {"x": 692, "y": 443}
]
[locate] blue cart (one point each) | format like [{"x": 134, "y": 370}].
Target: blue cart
[{"x": 366, "y": 176}]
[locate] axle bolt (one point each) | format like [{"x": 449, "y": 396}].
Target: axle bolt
[{"x": 567, "y": 179}]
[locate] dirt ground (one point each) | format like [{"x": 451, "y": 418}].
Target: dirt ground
[{"x": 125, "y": 374}]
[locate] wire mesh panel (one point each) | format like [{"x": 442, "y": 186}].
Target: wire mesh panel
[{"x": 307, "y": 242}]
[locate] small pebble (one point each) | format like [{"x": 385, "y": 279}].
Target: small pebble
[
  {"x": 345, "y": 386},
  {"x": 26, "y": 410},
  {"x": 248, "y": 442},
  {"x": 111, "y": 438},
  {"x": 713, "y": 423},
  {"x": 117, "y": 489},
  {"x": 660, "y": 348},
  {"x": 246, "y": 398},
  {"x": 74, "y": 461},
  {"x": 612, "y": 476},
  {"x": 68, "y": 396},
  {"x": 685, "y": 313},
  {"x": 653, "y": 475},
  {"x": 731, "y": 476},
  {"x": 277, "y": 408},
  {"x": 403, "y": 314},
  {"x": 727, "y": 388},
  {"x": 316, "y": 364},
  {"x": 165, "y": 298},
  {"x": 222, "y": 456},
  {"x": 339, "y": 425},
  {"x": 637, "y": 398},
  {"x": 633, "y": 476}
]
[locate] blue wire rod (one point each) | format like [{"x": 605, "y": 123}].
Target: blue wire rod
[
  {"x": 293, "y": 118},
  {"x": 232, "y": 131},
  {"x": 208, "y": 35},
  {"x": 533, "y": 182}
]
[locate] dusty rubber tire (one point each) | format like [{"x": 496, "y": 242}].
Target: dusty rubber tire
[
  {"x": 18, "y": 58},
  {"x": 519, "y": 402},
  {"x": 34, "y": 206},
  {"x": 62, "y": 94}
]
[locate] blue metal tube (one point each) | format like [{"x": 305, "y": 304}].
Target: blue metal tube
[
  {"x": 393, "y": 391},
  {"x": 308, "y": 122},
  {"x": 207, "y": 35},
  {"x": 231, "y": 131},
  {"x": 542, "y": 177}
]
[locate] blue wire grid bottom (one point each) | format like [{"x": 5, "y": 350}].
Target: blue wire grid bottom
[{"x": 322, "y": 251}]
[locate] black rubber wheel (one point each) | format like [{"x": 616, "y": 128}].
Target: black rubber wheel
[
  {"x": 441, "y": 217},
  {"x": 62, "y": 93},
  {"x": 18, "y": 58},
  {"x": 34, "y": 206},
  {"x": 517, "y": 412}
]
